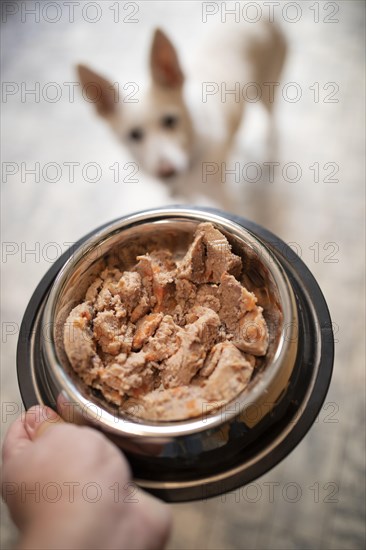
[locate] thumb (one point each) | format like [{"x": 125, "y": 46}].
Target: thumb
[
  {"x": 38, "y": 419},
  {"x": 27, "y": 428}
]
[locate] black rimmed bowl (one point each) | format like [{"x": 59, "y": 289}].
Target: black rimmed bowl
[{"x": 224, "y": 448}]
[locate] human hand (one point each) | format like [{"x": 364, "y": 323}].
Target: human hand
[{"x": 69, "y": 487}]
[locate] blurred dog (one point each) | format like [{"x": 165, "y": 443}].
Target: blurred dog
[{"x": 181, "y": 132}]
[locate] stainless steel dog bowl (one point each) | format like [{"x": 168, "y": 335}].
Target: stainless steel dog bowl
[{"x": 224, "y": 448}]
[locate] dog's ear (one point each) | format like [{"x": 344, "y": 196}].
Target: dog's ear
[
  {"x": 98, "y": 90},
  {"x": 164, "y": 62}
]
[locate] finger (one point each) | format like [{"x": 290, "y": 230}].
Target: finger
[
  {"x": 16, "y": 439},
  {"x": 38, "y": 419}
]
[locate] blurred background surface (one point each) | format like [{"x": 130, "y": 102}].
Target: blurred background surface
[{"x": 321, "y": 215}]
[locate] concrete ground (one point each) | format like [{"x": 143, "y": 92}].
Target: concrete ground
[{"x": 321, "y": 215}]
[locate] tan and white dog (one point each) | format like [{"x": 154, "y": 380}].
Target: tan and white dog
[{"x": 181, "y": 130}]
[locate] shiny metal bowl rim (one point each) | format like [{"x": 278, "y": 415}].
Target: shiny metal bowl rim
[{"x": 128, "y": 427}]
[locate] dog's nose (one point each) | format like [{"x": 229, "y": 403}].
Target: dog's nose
[{"x": 166, "y": 170}]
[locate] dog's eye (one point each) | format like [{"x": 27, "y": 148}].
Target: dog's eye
[
  {"x": 136, "y": 134},
  {"x": 169, "y": 121}
]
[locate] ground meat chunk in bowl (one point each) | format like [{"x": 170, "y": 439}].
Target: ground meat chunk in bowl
[{"x": 169, "y": 338}]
